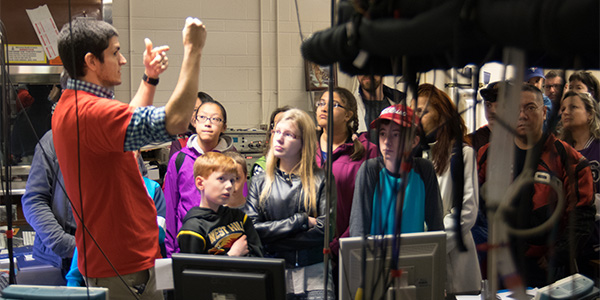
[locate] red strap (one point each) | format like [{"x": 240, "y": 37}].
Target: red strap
[{"x": 10, "y": 234}]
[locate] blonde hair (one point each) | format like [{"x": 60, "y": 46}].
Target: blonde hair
[
  {"x": 306, "y": 166},
  {"x": 214, "y": 161}
]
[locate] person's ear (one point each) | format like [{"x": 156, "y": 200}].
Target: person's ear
[
  {"x": 199, "y": 183},
  {"x": 545, "y": 110},
  {"x": 416, "y": 141},
  {"x": 91, "y": 61},
  {"x": 349, "y": 115}
]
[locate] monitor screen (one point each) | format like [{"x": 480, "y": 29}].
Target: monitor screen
[
  {"x": 204, "y": 277},
  {"x": 422, "y": 259},
  {"x": 22, "y": 291}
]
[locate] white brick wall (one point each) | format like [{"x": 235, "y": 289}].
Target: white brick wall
[{"x": 231, "y": 62}]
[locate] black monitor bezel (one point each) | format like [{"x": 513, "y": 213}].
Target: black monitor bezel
[{"x": 274, "y": 268}]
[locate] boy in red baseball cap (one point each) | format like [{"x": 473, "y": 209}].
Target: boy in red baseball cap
[{"x": 380, "y": 179}]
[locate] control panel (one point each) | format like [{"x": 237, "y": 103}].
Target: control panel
[
  {"x": 248, "y": 140},
  {"x": 250, "y": 143}
]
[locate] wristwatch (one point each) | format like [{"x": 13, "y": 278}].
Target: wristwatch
[{"x": 151, "y": 81}]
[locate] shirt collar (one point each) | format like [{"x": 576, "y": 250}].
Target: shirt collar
[{"x": 89, "y": 87}]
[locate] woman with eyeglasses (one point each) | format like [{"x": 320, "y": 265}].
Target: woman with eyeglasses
[
  {"x": 210, "y": 122},
  {"x": 348, "y": 154},
  {"x": 288, "y": 207},
  {"x": 441, "y": 125}
]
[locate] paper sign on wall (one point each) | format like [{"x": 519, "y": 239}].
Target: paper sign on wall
[{"x": 45, "y": 28}]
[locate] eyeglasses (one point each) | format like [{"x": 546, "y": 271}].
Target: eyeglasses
[
  {"x": 286, "y": 134},
  {"x": 213, "y": 120},
  {"x": 323, "y": 103},
  {"x": 528, "y": 109}
]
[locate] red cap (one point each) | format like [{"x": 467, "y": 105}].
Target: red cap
[{"x": 400, "y": 114}]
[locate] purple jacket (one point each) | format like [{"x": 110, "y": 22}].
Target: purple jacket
[
  {"x": 344, "y": 170},
  {"x": 180, "y": 190}
]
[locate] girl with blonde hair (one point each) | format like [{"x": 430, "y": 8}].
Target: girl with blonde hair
[{"x": 288, "y": 207}]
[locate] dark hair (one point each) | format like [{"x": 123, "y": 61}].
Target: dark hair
[
  {"x": 589, "y": 80},
  {"x": 450, "y": 125},
  {"x": 272, "y": 124},
  {"x": 539, "y": 97},
  {"x": 273, "y": 115},
  {"x": 211, "y": 100},
  {"x": 359, "y": 150},
  {"x": 204, "y": 97},
  {"x": 552, "y": 74},
  {"x": 82, "y": 37}
]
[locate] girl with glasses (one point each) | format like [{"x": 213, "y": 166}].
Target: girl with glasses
[
  {"x": 288, "y": 207},
  {"x": 348, "y": 154},
  {"x": 181, "y": 194}
]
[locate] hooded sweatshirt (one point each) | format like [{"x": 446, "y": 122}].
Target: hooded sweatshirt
[
  {"x": 205, "y": 231},
  {"x": 179, "y": 187}
]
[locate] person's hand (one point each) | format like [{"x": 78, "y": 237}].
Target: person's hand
[
  {"x": 312, "y": 222},
  {"x": 54, "y": 94},
  {"x": 239, "y": 247},
  {"x": 155, "y": 59},
  {"x": 194, "y": 34}
]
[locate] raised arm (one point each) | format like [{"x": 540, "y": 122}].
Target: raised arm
[
  {"x": 180, "y": 107},
  {"x": 155, "y": 63}
]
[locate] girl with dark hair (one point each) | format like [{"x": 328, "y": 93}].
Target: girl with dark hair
[
  {"x": 287, "y": 204},
  {"x": 210, "y": 121},
  {"x": 183, "y": 138},
  {"x": 442, "y": 124},
  {"x": 348, "y": 153}
]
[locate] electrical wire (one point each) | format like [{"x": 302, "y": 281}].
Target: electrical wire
[
  {"x": 79, "y": 215},
  {"x": 7, "y": 150},
  {"x": 82, "y": 219}
]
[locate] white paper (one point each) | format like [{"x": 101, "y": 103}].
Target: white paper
[
  {"x": 164, "y": 274},
  {"x": 45, "y": 28}
]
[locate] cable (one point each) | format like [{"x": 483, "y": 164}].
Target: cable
[{"x": 7, "y": 137}]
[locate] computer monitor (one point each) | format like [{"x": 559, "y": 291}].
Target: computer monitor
[
  {"x": 422, "y": 259},
  {"x": 204, "y": 277},
  {"x": 22, "y": 291}
]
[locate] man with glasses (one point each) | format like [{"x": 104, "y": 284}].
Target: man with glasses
[
  {"x": 553, "y": 89},
  {"x": 548, "y": 256}
]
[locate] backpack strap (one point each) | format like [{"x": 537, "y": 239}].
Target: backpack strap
[
  {"x": 179, "y": 160},
  {"x": 483, "y": 157}
]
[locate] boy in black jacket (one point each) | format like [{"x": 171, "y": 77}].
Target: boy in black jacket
[{"x": 213, "y": 228}]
